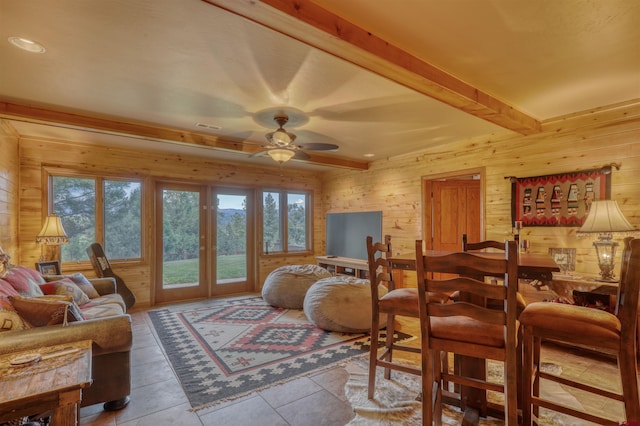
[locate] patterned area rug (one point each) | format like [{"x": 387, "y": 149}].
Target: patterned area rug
[{"x": 229, "y": 348}]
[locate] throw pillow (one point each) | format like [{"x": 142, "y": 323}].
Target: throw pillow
[
  {"x": 48, "y": 288},
  {"x": 24, "y": 280},
  {"x": 7, "y": 289},
  {"x": 59, "y": 297},
  {"x": 66, "y": 287},
  {"x": 80, "y": 280},
  {"x": 40, "y": 312},
  {"x": 9, "y": 318}
]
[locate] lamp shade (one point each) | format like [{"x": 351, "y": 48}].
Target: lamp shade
[
  {"x": 605, "y": 216},
  {"x": 281, "y": 155},
  {"x": 52, "y": 232}
]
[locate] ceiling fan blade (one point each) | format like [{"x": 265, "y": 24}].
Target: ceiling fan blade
[
  {"x": 318, "y": 146},
  {"x": 299, "y": 155},
  {"x": 259, "y": 154}
]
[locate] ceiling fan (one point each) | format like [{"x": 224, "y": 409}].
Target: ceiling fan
[{"x": 281, "y": 146}]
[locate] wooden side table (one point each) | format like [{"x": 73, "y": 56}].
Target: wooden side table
[
  {"x": 564, "y": 285},
  {"x": 54, "y": 381}
]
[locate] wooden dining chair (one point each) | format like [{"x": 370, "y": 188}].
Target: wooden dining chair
[
  {"x": 397, "y": 301},
  {"x": 466, "y": 326},
  {"x": 496, "y": 246},
  {"x": 486, "y": 245},
  {"x": 492, "y": 246},
  {"x": 402, "y": 301},
  {"x": 613, "y": 333}
]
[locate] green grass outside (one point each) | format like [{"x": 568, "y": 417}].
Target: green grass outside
[{"x": 186, "y": 271}]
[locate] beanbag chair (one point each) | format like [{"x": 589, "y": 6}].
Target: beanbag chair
[
  {"x": 341, "y": 303},
  {"x": 286, "y": 286}
]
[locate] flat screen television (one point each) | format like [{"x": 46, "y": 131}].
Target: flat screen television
[{"x": 347, "y": 233}]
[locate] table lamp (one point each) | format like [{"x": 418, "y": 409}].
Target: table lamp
[
  {"x": 604, "y": 219},
  {"x": 52, "y": 234}
]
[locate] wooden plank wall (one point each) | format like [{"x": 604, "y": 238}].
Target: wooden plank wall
[
  {"x": 9, "y": 178},
  {"x": 394, "y": 185},
  {"x": 577, "y": 142},
  {"x": 37, "y": 153}
]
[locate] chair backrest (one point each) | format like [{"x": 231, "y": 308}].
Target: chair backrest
[
  {"x": 474, "y": 291},
  {"x": 627, "y": 301},
  {"x": 481, "y": 245},
  {"x": 485, "y": 246},
  {"x": 379, "y": 271}
]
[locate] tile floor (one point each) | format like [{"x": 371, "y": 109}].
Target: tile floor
[{"x": 157, "y": 398}]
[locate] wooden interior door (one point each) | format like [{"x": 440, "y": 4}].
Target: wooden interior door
[{"x": 456, "y": 210}]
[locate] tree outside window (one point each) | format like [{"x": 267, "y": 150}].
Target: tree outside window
[
  {"x": 271, "y": 222},
  {"x": 297, "y": 222},
  {"x": 285, "y": 221},
  {"x": 78, "y": 200}
]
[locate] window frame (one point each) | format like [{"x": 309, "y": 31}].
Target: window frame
[
  {"x": 284, "y": 220},
  {"x": 99, "y": 216}
]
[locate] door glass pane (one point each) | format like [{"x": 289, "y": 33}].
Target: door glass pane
[
  {"x": 297, "y": 222},
  {"x": 272, "y": 232},
  {"x": 231, "y": 231},
  {"x": 74, "y": 200},
  {"x": 180, "y": 238}
]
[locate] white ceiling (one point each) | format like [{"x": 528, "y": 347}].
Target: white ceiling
[{"x": 176, "y": 63}]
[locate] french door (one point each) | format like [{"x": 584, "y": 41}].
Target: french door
[
  {"x": 204, "y": 241},
  {"x": 233, "y": 232}
]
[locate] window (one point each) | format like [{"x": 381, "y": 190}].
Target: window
[
  {"x": 93, "y": 209},
  {"x": 285, "y": 221}
]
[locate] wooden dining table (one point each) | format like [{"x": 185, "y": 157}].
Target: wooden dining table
[
  {"x": 530, "y": 266},
  {"x": 473, "y": 401}
]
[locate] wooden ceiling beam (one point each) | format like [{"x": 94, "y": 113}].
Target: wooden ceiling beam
[
  {"x": 34, "y": 114},
  {"x": 309, "y": 23}
]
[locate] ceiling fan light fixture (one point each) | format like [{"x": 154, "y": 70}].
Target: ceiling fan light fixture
[
  {"x": 280, "y": 137},
  {"x": 281, "y": 155}
]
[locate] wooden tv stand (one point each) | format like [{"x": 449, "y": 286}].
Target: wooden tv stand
[{"x": 344, "y": 265}]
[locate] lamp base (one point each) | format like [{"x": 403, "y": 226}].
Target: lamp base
[
  {"x": 606, "y": 252},
  {"x": 50, "y": 252}
]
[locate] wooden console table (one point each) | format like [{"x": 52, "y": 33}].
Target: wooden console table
[
  {"x": 564, "y": 285},
  {"x": 50, "y": 378},
  {"x": 344, "y": 265}
]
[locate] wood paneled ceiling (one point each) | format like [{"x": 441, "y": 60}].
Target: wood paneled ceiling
[{"x": 383, "y": 78}]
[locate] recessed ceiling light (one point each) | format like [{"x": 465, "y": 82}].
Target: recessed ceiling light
[
  {"x": 26, "y": 44},
  {"x": 368, "y": 155}
]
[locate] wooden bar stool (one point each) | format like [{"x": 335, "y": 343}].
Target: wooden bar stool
[
  {"x": 613, "y": 333},
  {"x": 397, "y": 301},
  {"x": 466, "y": 326}
]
